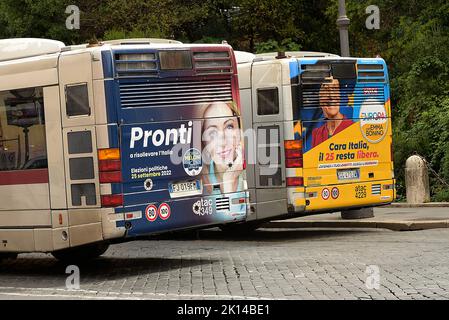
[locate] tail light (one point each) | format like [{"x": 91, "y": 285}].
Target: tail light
[
  {"x": 109, "y": 154},
  {"x": 293, "y": 153},
  {"x": 293, "y": 159},
  {"x": 295, "y": 181},
  {"x": 110, "y": 177},
  {"x": 109, "y": 166},
  {"x": 112, "y": 200},
  {"x": 293, "y": 163}
]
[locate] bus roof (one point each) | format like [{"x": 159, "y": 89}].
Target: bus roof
[
  {"x": 18, "y": 48},
  {"x": 299, "y": 54},
  {"x": 245, "y": 57},
  {"x": 137, "y": 41}
]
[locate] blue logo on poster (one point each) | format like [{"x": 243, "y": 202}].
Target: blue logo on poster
[{"x": 192, "y": 162}]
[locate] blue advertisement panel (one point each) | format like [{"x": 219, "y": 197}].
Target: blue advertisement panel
[{"x": 185, "y": 172}]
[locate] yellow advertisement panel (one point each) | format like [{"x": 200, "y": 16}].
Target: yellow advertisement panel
[{"x": 346, "y": 133}]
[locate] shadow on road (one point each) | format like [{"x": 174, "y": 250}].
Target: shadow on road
[
  {"x": 45, "y": 271},
  {"x": 262, "y": 235}
]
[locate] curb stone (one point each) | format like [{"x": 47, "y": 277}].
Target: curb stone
[
  {"x": 417, "y": 205},
  {"x": 391, "y": 225}
]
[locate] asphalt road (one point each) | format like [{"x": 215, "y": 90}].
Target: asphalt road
[{"x": 268, "y": 264}]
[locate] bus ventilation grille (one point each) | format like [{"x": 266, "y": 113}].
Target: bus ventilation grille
[
  {"x": 310, "y": 97},
  {"x": 375, "y": 189},
  {"x": 136, "y": 65},
  {"x": 222, "y": 203},
  {"x": 370, "y": 73},
  {"x": 215, "y": 62},
  {"x": 174, "y": 93},
  {"x": 315, "y": 73}
]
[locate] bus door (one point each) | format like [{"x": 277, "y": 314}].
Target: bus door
[
  {"x": 80, "y": 155},
  {"x": 78, "y": 122},
  {"x": 268, "y": 126},
  {"x": 347, "y": 133}
]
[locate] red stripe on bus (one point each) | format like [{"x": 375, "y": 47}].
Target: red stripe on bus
[{"x": 23, "y": 177}]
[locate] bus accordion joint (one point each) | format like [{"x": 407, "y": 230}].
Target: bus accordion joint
[
  {"x": 293, "y": 153},
  {"x": 109, "y": 166}
]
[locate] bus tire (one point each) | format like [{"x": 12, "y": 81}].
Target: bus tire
[
  {"x": 82, "y": 253},
  {"x": 240, "y": 228},
  {"x": 7, "y": 255},
  {"x": 362, "y": 213}
]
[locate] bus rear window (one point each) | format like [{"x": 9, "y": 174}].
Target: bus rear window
[
  {"x": 175, "y": 60},
  {"x": 344, "y": 71}
]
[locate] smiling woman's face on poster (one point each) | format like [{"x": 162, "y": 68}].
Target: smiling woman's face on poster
[
  {"x": 221, "y": 134},
  {"x": 222, "y": 144}
]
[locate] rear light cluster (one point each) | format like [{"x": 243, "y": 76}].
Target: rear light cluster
[
  {"x": 112, "y": 200},
  {"x": 295, "y": 181},
  {"x": 109, "y": 166},
  {"x": 293, "y": 159}
]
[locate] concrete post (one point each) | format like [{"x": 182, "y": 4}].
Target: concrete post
[
  {"x": 417, "y": 180},
  {"x": 343, "y": 25}
]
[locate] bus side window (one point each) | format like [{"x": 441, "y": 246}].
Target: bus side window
[
  {"x": 267, "y": 101},
  {"x": 22, "y": 130},
  {"x": 269, "y": 156},
  {"x": 77, "y": 100}
]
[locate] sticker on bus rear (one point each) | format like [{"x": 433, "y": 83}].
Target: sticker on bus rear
[
  {"x": 151, "y": 213},
  {"x": 192, "y": 162},
  {"x": 325, "y": 194},
  {"x": 335, "y": 193},
  {"x": 164, "y": 211},
  {"x": 373, "y": 121}
]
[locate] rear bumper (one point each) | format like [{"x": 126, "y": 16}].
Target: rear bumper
[
  {"x": 186, "y": 213},
  {"x": 337, "y": 197}
]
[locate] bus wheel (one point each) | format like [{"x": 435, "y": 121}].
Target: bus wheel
[
  {"x": 82, "y": 253},
  {"x": 240, "y": 228},
  {"x": 363, "y": 213},
  {"x": 8, "y": 255}
]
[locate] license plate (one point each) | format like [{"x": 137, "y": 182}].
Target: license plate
[
  {"x": 187, "y": 186},
  {"x": 348, "y": 174}
]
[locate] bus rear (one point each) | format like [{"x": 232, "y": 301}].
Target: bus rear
[
  {"x": 319, "y": 132},
  {"x": 345, "y": 133},
  {"x": 175, "y": 156}
]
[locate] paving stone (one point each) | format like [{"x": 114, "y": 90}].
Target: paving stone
[{"x": 273, "y": 264}]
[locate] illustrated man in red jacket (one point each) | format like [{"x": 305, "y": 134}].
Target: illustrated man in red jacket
[{"x": 335, "y": 120}]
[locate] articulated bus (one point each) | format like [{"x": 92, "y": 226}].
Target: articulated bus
[
  {"x": 322, "y": 134},
  {"x": 107, "y": 142}
]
